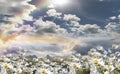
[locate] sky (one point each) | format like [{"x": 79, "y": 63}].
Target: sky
[{"x": 58, "y": 27}]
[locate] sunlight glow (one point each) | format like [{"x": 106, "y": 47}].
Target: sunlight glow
[{"x": 59, "y": 2}]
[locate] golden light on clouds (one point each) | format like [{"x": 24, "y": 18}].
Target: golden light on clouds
[
  {"x": 6, "y": 39},
  {"x": 65, "y": 42}
]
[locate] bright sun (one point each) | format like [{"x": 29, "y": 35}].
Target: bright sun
[{"x": 59, "y": 2}]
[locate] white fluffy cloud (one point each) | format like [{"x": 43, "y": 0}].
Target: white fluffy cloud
[
  {"x": 72, "y": 21},
  {"x": 87, "y": 29},
  {"x": 47, "y": 27},
  {"x": 70, "y": 17},
  {"x": 28, "y": 18},
  {"x": 53, "y": 12},
  {"x": 90, "y": 29},
  {"x": 113, "y": 17}
]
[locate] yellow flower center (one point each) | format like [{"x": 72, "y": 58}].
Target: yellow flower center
[
  {"x": 118, "y": 67},
  {"x": 74, "y": 65},
  {"x": 44, "y": 72},
  {"x": 6, "y": 65},
  {"x": 98, "y": 64},
  {"x": 95, "y": 61}
]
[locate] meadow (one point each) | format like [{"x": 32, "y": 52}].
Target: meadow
[{"x": 97, "y": 61}]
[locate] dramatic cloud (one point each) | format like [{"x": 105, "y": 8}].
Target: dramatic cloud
[
  {"x": 42, "y": 27},
  {"x": 45, "y": 36}
]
